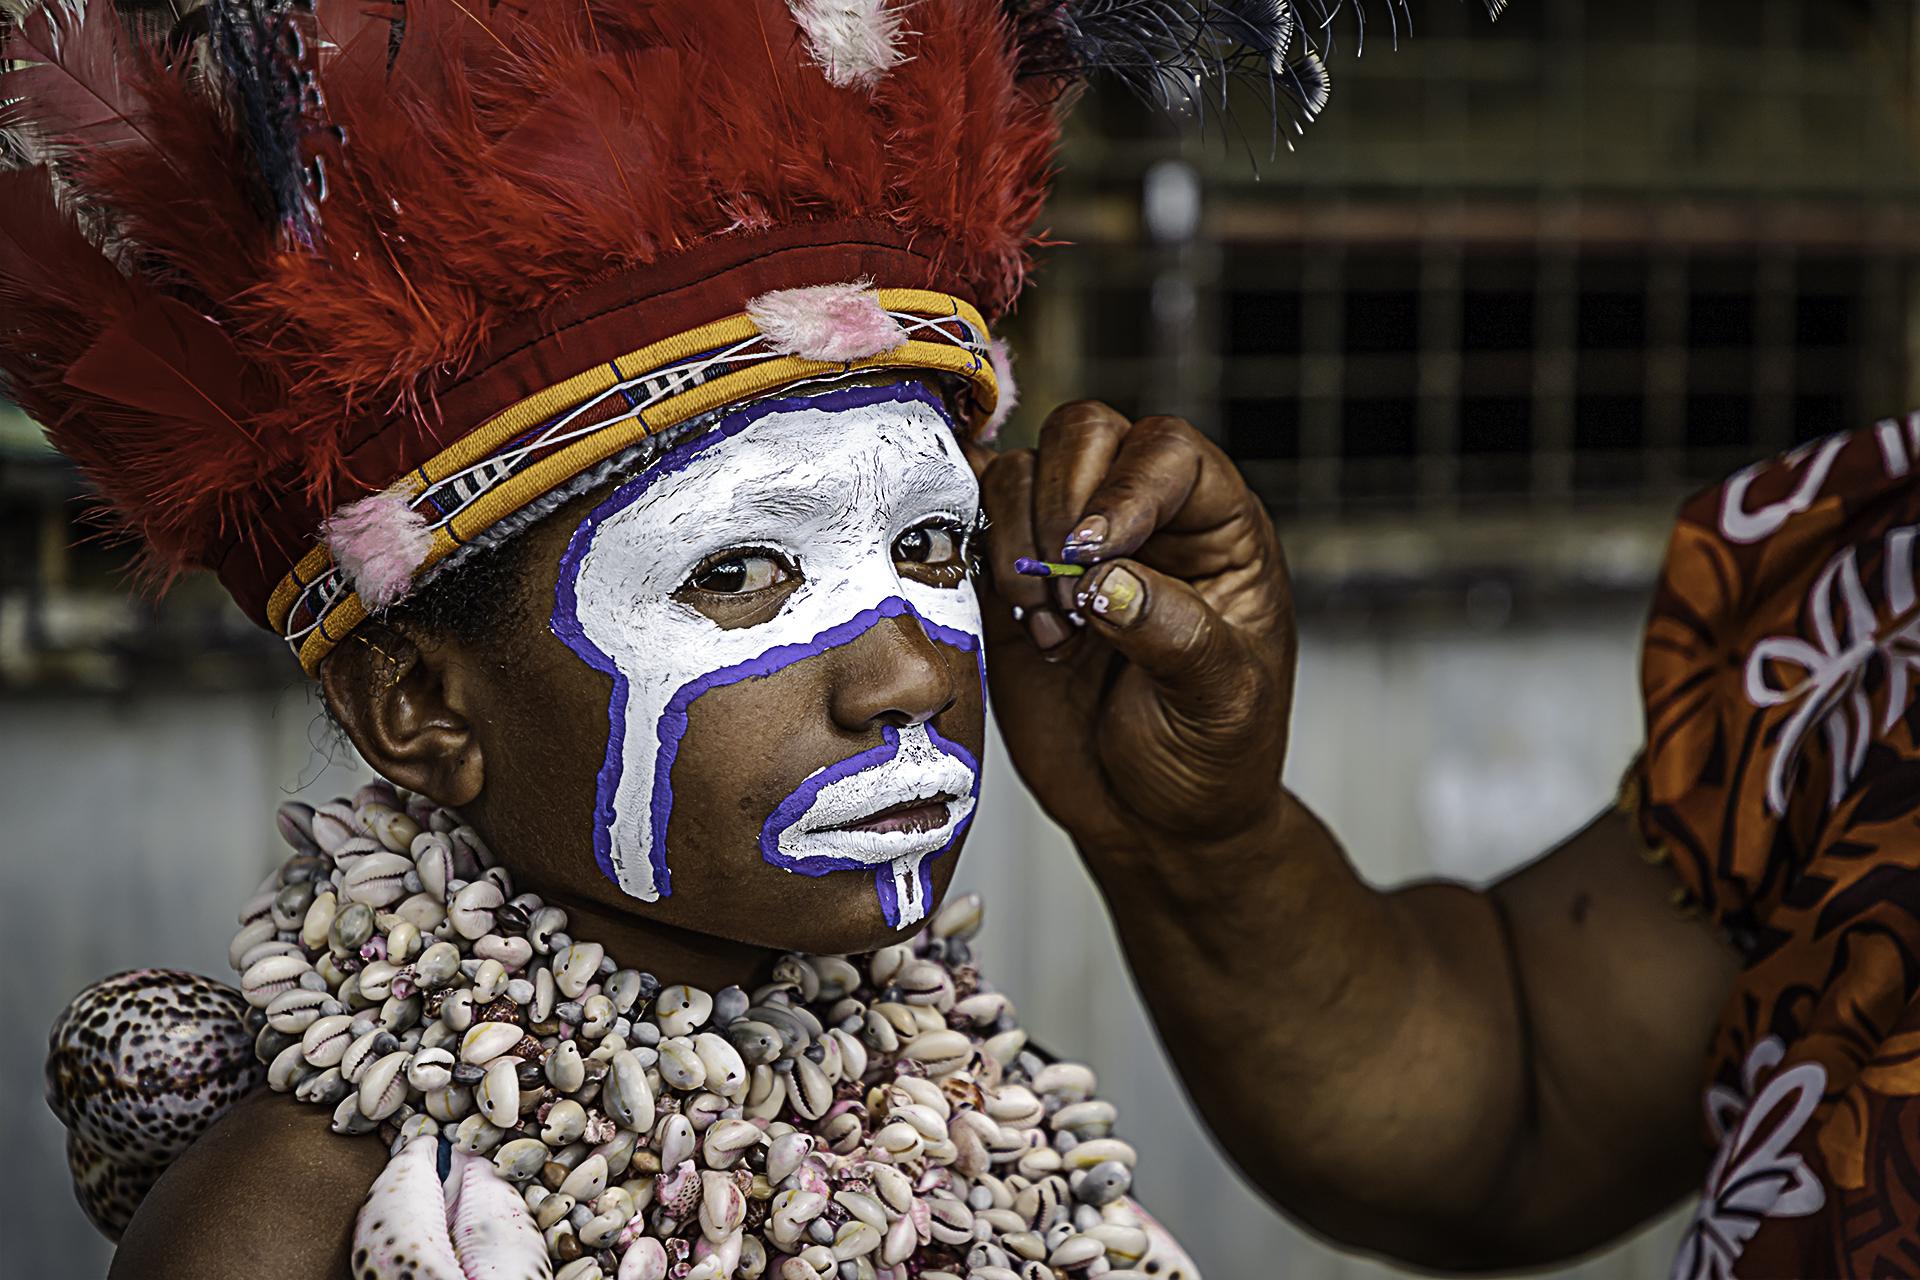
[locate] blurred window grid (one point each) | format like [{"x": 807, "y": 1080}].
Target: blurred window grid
[
  {"x": 1544, "y": 275},
  {"x": 1588, "y": 259}
]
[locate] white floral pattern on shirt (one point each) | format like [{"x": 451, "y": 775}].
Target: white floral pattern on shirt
[
  {"x": 1848, "y": 637},
  {"x": 1754, "y": 1177}
]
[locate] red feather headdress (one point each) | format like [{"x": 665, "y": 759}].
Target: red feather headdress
[{"x": 296, "y": 253}]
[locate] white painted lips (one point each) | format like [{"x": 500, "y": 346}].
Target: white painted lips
[{"x": 918, "y": 772}]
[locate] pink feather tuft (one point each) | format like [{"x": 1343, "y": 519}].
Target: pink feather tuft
[
  {"x": 378, "y": 542},
  {"x": 1001, "y": 358},
  {"x": 832, "y": 322}
]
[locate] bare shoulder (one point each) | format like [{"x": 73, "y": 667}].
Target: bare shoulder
[{"x": 269, "y": 1190}]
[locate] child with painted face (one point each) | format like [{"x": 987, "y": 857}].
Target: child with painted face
[
  {"x": 745, "y": 688},
  {"x": 586, "y": 396},
  {"x": 754, "y": 555}
]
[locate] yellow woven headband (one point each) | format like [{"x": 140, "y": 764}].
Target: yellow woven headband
[{"x": 552, "y": 436}]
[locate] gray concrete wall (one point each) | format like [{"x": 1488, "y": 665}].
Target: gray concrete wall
[{"x": 130, "y": 831}]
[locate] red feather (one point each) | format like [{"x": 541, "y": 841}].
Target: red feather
[
  {"x": 67, "y": 88},
  {"x": 45, "y": 260},
  {"x": 505, "y": 157},
  {"x": 343, "y": 24},
  {"x": 164, "y": 358}
]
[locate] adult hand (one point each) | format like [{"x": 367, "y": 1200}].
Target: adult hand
[
  {"x": 1151, "y": 696},
  {"x": 1557, "y": 1062}
]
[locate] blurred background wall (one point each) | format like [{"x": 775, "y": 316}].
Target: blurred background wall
[{"x": 1521, "y": 287}]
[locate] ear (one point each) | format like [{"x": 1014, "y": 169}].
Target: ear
[{"x": 406, "y": 710}]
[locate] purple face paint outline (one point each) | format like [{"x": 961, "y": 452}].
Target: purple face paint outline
[
  {"x": 801, "y": 798},
  {"x": 566, "y": 625}
]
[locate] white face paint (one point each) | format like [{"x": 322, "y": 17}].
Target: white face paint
[
  {"x": 805, "y": 833},
  {"x": 915, "y": 767},
  {"x": 830, "y": 482}
]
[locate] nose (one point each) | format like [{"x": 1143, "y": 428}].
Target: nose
[{"x": 892, "y": 674}]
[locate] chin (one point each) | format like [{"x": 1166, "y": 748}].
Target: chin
[{"x": 839, "y": 914}]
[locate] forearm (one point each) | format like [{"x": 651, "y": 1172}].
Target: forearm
[
  {"x": 1460, "y": 1078},
  {"x": 1359, "y": 1054}
]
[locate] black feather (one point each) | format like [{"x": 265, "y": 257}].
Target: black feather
[
  {"x": 1181, "y": 53},
  {"x": 1308, "y": 81},
  {"x": 1176, "y": 53},
  {"x": 265, "y": 50}
]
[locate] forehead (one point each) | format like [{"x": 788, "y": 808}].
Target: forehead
[{"x": 871, "y": 446}]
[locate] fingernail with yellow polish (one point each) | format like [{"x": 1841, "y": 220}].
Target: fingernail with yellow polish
[{"x": 1118, "y": 597}]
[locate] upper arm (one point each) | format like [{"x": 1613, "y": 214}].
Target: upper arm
[
  {"x": 1774, "y": 581},
  {"x": 269, "y": 1190},
  {"x": 1620, "y": 993}
]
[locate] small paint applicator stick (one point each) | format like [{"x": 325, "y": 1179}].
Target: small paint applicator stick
[{"x": 1047, "y": 568}]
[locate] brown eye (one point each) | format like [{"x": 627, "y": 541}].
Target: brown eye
[
  {"x": 933, "y": 545},
  {"x": 736, "y": 573},
  {"x": 934, "y": 553}
]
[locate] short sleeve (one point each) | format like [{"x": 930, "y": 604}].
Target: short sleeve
[{"x": 1778, "y": 675}]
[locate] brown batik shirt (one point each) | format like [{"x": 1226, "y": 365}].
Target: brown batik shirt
[{"x": 1781, "y": 777}]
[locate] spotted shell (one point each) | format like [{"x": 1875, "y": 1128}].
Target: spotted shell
[
  {"x": 138, "y": 1066},
  {"x": 425, "y": 1220}
]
